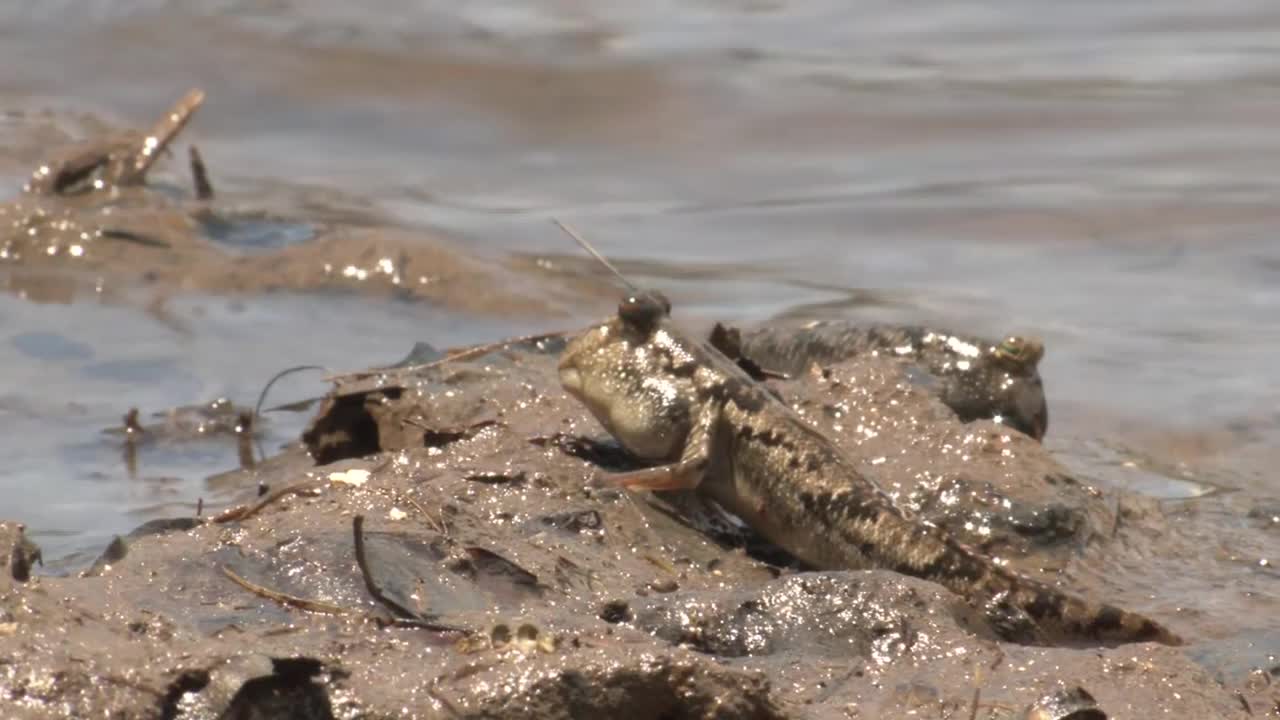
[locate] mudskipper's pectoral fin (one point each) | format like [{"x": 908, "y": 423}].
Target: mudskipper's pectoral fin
[
  {"x": 687, "y": 472},
  {"x": 676, "y": 476}
]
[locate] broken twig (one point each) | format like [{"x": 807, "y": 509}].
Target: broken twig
[
  {"x": 284, "y": 599},
  {"x": 461, "y": 354},
  {"x": 437, "y": 525},
  {"x": 244, "y": 512},
  {"x": 158, "y": 138}
]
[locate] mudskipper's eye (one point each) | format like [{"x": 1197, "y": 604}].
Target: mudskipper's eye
[{"x": 644, "y": 310}]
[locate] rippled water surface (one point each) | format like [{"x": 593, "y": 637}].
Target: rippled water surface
[{"x": 1099, "y": 174}]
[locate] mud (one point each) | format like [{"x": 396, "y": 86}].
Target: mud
[
  {"x": 976, "y": 377},
  {"x": 91, "y": 222},
  {"x": 511, "y": 589}
]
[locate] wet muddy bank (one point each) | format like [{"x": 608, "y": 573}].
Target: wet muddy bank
[
  {"x": 1099, "y": 177},
  {"x": 89, "y": 221},
  {"x": 450, "y": 558}
]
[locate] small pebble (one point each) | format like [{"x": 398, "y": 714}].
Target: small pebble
[
  {"x": 356, "y": 477},
  {"x": 668, "y": 585}
]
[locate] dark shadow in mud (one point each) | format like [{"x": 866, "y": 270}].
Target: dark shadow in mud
[
  {"x": 189, "y": 681},
  {"x": 346, "y": 428},
  {"x": 288, "y": 693}
]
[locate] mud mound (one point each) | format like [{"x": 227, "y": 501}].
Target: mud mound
[{"x": 448, "y": 559}]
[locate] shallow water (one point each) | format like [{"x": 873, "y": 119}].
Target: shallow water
[
  {"x": 1100, "y": 175},
  {"x": 88, "y": 363}
]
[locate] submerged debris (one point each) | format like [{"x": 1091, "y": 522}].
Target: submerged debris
[{"x": 103, "y": 165}]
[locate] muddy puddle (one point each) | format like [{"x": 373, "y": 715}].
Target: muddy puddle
[{"x": 1101, "y": 178}]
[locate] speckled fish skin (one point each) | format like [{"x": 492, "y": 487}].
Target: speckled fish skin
[{"x": 669, "y": 399}]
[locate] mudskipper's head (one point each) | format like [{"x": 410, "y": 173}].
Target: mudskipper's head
[
  {"x": 1019, "y": 354},
  {"x": 1021, "y": 390},
  {"x": 622, "y": 370}
]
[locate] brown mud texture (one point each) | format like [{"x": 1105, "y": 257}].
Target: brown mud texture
[
  {"x": 434, "y": 548},
  {"x": 92, "y": 220}
]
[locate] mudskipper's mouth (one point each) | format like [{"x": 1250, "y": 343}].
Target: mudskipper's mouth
[{"x": 571, "y": 379}]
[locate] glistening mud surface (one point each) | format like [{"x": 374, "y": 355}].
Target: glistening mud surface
[
  {"x": 1101, "y": 176},
  {"x": 1094, "y": 176},
  {"x": 471, "y": 480}
]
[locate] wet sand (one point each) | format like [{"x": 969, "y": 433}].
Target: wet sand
[{"x": 1100, "y": 178}]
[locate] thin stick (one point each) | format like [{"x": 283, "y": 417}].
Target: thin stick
[
  {"x": 244, "y": 512},
  {"x": 322, "y": 607},
  {"x": 437, "y": 525},
  {"x": 262, "y": 397},
  {"x": 595, "y": 254},
  {"x": 465, "y": 354},
  {"x": 400, "y": 611},
  {"x": 283, "y": 599},
  {"x": 158, "y": 138}
]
